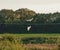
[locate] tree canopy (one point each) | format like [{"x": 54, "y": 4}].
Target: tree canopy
[
  {"x": 18, "y": 21},
  {"x": 21, "y": 16}
]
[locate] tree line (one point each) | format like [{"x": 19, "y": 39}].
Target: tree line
[
  {"x": 22, "y": 15},
  {"x": 18, "y": 20}
]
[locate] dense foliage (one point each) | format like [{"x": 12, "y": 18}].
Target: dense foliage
[
  {"x": 19, "y": 20},
  {"x": 18, "y": 16},
  {"x": 22, "y": 15}
]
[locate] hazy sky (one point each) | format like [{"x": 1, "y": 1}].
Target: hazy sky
[{"x": 41, "y": 6}]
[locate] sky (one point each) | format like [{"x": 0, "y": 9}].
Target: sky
[{"x": 39, "y": 6}]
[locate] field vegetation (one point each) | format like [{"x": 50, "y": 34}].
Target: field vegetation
[{"x": 29, "y": 41}]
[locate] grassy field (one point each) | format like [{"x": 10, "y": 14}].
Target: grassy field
[
  {"x": 41, "y": 41},
  {"x": 33, "y": 35}
]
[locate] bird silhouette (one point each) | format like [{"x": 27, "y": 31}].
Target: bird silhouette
[{"x": 28, "y": 28}]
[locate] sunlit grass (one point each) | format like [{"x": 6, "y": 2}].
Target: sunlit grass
[{"x": 33, "y": 35}]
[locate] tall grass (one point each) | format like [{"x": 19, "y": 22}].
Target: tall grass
[
  {"x": 13, "y": 42},
  {"x": 9, "y": 42}
]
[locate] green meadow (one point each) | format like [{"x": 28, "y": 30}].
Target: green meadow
[{"x": 26, "y": 35}]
